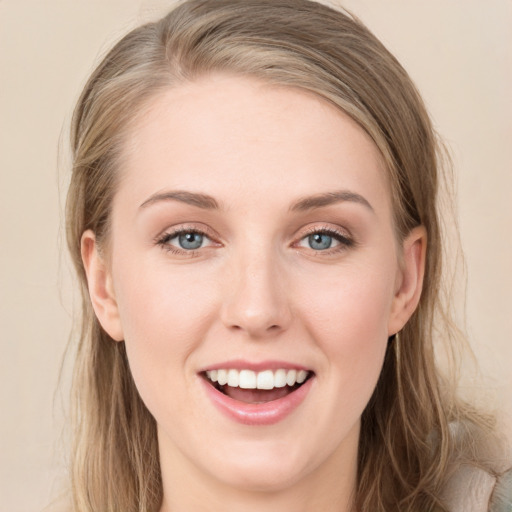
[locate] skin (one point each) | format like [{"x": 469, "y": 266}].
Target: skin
[{"x": 255, "y": 289}]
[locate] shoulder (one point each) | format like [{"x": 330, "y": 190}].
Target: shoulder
[
  {"x": 472, "y": 489},
  {"x": 501, "y": 499}
]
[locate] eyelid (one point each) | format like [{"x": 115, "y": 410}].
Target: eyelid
[
  {"x": 187, "y": 227},
  {"x": 172, "y": 232},
  {"x": 343, "y": 236}
]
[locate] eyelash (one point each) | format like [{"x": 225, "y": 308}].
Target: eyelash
[
  {"x": 345, "y": 242},
  {"x": 163, "y": 241},
  {"x": 340, "y": 236}
]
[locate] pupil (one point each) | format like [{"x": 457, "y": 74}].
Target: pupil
[
  {"x": 320, "y": 241},
  {"x": 191, "y": 240}
]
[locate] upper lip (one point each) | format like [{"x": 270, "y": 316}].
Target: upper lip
[{"x": 256, "y": 366}]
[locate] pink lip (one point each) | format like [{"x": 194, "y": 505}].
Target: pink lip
[
  {"x": 240, "y": 364},
  {"x": 257, "y": 414}
]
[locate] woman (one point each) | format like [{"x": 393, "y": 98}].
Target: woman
[{"x": 252, "y": 214}]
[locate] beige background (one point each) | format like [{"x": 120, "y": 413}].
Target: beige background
[{"x": 458, "y": 51}]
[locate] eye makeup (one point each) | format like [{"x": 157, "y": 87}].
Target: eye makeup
[
  {"x": 326, "y": 240},
  {"x": 189, "y": 241}
]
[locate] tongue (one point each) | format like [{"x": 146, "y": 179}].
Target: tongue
[{"x": 255, "y": 396}]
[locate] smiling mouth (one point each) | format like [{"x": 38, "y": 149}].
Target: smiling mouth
[{"x": 256, "y": 387}]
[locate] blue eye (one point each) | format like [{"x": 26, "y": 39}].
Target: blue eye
[
  {"x": 184, "y": 241},
  {"x": 189, "y": 241},
  {"x": 326, "y": 240},
  {"x": 320, "y": 241}
]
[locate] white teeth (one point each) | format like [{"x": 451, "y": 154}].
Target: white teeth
[
  {"x": 233, "y": 378},
  {"x": 265, "y": 380},
  {"x": 301, "y": 376},
  {"x": 280, "y": 379},
  {"x": 248, "y": 379},
  {"x": 291, "y": 377},
  {"x": 222, "y": 377}
]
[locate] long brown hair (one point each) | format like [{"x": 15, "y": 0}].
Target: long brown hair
[{"x": 407, "y": 446}]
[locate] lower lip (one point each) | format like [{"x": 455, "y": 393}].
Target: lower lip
[{"x": 266, "y": 413}]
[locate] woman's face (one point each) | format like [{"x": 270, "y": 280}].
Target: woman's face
[{"x": 252, "y": 240}]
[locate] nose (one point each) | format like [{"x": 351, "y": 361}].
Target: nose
[{"x": 256, "y": 301}]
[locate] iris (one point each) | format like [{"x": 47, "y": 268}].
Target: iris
[
  {"x": 190, "y": 241},
  {"x": 319, "y": 241}
]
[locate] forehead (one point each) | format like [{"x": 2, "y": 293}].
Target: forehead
[{"x": 241, "y": 139}]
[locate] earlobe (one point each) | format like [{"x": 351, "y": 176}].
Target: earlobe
[
  {"x": 101, "y": 291},
  {"x": 410, "y": 282}
]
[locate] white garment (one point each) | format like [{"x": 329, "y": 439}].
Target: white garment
[{"x": 474, "y": 490}]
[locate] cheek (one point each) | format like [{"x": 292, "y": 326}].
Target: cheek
[
  {"x": 165, "y": 316},
  {"x": 349, "y": 322},
  {"x": 350, "y": 309}
]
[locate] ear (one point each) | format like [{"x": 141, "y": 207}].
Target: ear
[
  {"x": 101, "y": 290},
  {"x": 409, "y": 279}
]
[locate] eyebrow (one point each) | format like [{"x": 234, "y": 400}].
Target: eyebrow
[
  {"x": 329, "y": 198},
  {"x": 203, "y": 201},
  {"x": 207, "y": 202}
]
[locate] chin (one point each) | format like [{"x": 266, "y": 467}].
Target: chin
[{"x": 264, "y": 467}]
